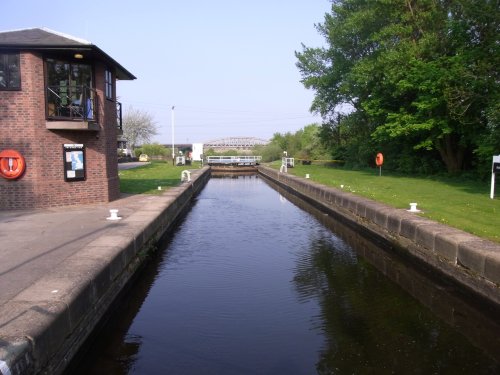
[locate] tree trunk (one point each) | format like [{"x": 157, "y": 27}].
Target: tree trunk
[{"x": 451, "y": 153}]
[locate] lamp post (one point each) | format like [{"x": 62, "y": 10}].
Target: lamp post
[{"x": 173, "y": 143}]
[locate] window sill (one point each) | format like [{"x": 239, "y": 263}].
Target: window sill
[{"x": 72, "y": 125}]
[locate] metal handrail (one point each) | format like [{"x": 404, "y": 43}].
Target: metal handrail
[
  {"x": 72, "y": 103},
  {"x": 234, "y": 160},
  {"x": 289, "y": 162}
]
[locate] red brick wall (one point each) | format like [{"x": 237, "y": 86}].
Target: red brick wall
[{"x": 23, "y": 128}]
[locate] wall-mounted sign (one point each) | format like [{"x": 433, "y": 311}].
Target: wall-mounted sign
[{"x": 74, "y": 162}]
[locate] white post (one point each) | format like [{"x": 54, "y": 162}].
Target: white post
[
  {"x": 492, "y": 192},
  {"x": 173, "y": 143},
  {"x": 494, "y": 168}
]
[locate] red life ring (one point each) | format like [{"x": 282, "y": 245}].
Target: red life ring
[
  {"x": 379, "y": 160},
  {"x": 12, "y": 164}
]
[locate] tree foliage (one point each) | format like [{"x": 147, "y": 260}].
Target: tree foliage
[
  {"x": 138, "y": 127},
  {"x": 155, "y": 149},
  {"x": 421, "y": 77},
  {"x": 303, "y": 144}
]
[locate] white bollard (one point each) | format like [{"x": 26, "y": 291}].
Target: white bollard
[
  {"x": 113, "y": 215},
  {"x": 413, "y": 208},
  {"x": 307, "y": 175},
  {"x": 185, "y": 176}
]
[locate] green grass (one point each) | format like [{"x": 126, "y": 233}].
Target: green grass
[
  {"x": 146, "y": 179},
  {"x": 460, "y": 203}
]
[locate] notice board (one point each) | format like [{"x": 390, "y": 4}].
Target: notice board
[{"x": 74, "y": 162}]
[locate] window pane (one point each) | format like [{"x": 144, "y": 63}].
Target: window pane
[
  {"x": 57, "y": 71},
  {"x": 69, "y": 89},
  {"x": 108, "y": 78},
  {"x": 14, "y": 72},
  {"x": 10, "y": 74},
  {"x": 3, "y": 72}
]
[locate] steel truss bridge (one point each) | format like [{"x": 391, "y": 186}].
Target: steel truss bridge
[{"x": 234, "y": 143}]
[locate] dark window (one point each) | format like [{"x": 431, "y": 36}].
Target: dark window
[
  {"x": 108, "y": 77},
  {"x": 10, "y": 74},
  {"x": 70, "y": 91}
]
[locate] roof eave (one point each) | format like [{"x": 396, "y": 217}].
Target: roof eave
[{"x": 121, "y": 72}]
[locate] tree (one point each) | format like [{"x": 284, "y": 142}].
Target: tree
[
  {"x": 305, "y": 143},
  {"x": 419, "y": 73},
  {"x": 138, "y": 127},
  {"x": 155, "y": 149}
]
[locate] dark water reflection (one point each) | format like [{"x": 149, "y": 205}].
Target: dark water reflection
[{"x": 250, "y": 284}]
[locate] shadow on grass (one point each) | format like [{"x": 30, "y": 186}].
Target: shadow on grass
[{"x": 465, "y": 184}]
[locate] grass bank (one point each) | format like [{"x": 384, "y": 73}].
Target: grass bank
[
  {"x": 460, "y": 203},
  {"x": 147, "y": 178}
]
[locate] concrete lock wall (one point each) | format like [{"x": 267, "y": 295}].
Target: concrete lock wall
[
  {"x": 44, "y": 332},
  {"x": 467, "y": 259}
]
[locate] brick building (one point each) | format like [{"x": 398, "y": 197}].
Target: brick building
[{"x": 58, "y": 109}]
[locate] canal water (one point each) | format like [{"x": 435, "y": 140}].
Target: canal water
[{"x": 253, "y": 281}]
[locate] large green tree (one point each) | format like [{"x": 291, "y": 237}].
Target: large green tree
[{"x": 420, "y": 73}]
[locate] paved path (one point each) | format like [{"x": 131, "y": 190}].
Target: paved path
[{"x": 34, "y": 242}]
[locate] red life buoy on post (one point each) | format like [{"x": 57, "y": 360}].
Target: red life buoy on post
[
  {"x": 12, "y": 164},
  {"x": 379, "y": 160}
]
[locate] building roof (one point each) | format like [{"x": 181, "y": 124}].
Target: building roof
[{"x": 46, "y": 40}]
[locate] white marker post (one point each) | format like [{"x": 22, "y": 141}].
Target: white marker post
[
  {"x": 173, "y": 143},
  {"x": 495, "y": 168}
]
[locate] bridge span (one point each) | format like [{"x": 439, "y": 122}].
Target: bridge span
[
  {"x": 235, "y": 161},
  {"x": 234, "y": 143}
]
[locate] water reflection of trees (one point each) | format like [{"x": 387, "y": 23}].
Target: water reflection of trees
[
  {"x": 370, "y": 323},
  {"x": 113, "y": 350}
]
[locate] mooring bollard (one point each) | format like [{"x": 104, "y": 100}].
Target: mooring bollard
[
  {"x": 185, "y": 176},
  {"x": 113, "y": 215},
  {"x": 413, "y": 208}
]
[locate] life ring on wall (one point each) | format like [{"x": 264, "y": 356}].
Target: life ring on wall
[
  {"x": 379, "y": 160},
  {"x": 12, "y": 164}
]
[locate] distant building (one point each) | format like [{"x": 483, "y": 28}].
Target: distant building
[
  {"x": 58, "y": 110},
  {"x": 242, "y": 144}
]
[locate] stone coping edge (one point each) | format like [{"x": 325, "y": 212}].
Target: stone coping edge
[
  {"x": 43, "y": 327},
  {"x": 471, "y": 261}
]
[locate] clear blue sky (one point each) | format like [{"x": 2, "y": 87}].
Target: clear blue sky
[{"x": 228, "y": 66}]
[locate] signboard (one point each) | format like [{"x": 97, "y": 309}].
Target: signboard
[
  {"x": 496, "y": 167},
  {"x": 74, "y": 162},
  {"x": 197, "y": 151}
]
